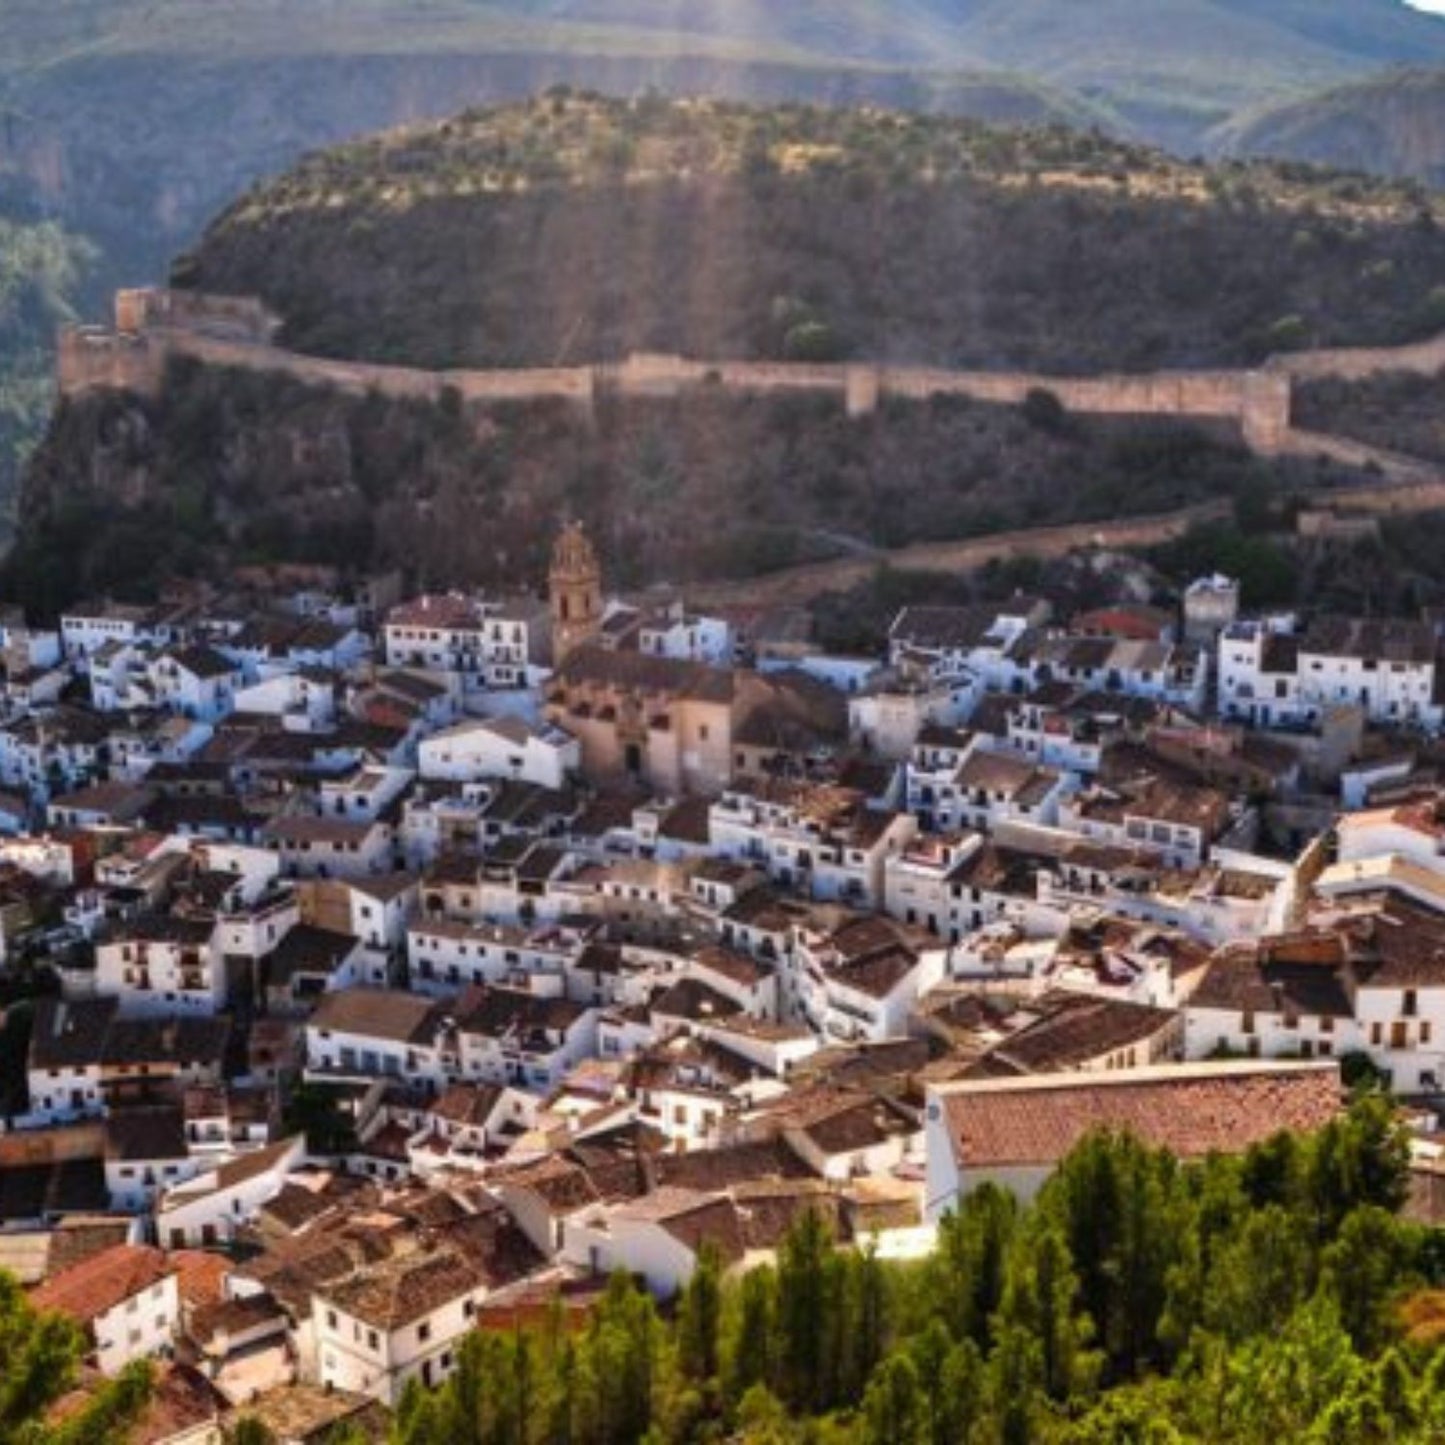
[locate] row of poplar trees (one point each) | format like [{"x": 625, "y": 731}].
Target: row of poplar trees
[{"x": 1277, "y": 1296}]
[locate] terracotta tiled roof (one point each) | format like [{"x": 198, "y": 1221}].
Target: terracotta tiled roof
[
  {"x": 202, "y": 1275},
  {"x": 1191, "y": 1109},
  {"x": 405, "y": 1289},
  {"x": 88, "y": 1290}
]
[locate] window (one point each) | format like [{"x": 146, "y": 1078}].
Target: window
[
  {"x": 1411, "y": 1005},
  {"x": 423, "y": 1332}
]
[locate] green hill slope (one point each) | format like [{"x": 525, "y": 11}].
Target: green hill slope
[
  {"x": 1390, "y": 125},
  {"x": 579, "y": 229}
]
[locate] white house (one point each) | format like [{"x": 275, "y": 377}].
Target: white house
[
  {"x": 161, "y": 964},
  {"x": 859, "y": 981},
  {"x": 483, "y": 643},
  {"x": 305, "y": 699},
  {"x": 824, "y": 840},
  {"x": 84, "y": 629},
  {"x": 331, "y": 847},
  {"x": 1375, "y": 986},
  {"x": 685, "y": 636},
  {"x": 1013, "y": 1132},
  {"x": 369, "y": 1033},
  {"x": 401, "y": 1320},
  {"x": 658, "y": 1237},
  {"x": 1387, "y": 667},
  {"x": 126, "y": 1299},
  {"x": 196, "y": 681},
  {"x": 208, "y": 1209},
  {"x": 501, "y": 747}
]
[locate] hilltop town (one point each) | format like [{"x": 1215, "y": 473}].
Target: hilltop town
[{"x": 383, "y": 967}]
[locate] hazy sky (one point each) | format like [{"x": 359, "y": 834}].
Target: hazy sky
[{"x": 1428, "y": 5}]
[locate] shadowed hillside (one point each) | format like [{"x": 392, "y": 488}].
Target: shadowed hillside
[
  {"x": 224, "y": 467},
  {"x": 577, "y": 229},
  {"x": 1389, "y": 125}
]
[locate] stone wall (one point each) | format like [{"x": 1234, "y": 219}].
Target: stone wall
[
  {"x": 1353, "y": 363},
  {"x": 154, "y": 324},
  {"x": 236, "y": 331}
]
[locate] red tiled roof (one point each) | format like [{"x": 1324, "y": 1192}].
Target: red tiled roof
[
  {"x": 101, "y": 1282},
  {"x": 1192, "y": 1110}
]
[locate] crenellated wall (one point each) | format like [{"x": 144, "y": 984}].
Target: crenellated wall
[{"x": 153, "y": 325}]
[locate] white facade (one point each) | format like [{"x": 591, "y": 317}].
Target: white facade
[
  {"x": 152, "y": 974},
  {"x": 365, "y": 1357},
  {"x": 480, "y": 642},
  {"x": 208, "y": 1209},
  {"x": 500, "y": 748},
  {"x": 837, "y": 856},
  {"x": 139, "y": 1327}
]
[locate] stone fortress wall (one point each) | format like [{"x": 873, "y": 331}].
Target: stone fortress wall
[{"x": 154, "y": 325}]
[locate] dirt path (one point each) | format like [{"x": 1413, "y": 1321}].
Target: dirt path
[{"x": 801, "y": 584}]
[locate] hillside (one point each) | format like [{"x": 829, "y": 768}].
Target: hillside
[
  {"x": 1392, "y": 124},
  {"x": 132, "y": 120},
  {"x": 578, "y": 229},
  {"x": 228, "y": 467},
  {"x": 42, "y": 272}
]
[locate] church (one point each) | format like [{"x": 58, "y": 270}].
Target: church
[{"x": 674, "y": 725}]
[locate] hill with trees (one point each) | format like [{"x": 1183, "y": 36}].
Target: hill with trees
[
  {"x": 575, "y": 228},
  {"x": 1238, "y": 1302},
  {"x": 43, "y": 270},
  {"x": 130, "y": 121},
  {"x": 230, "y": 467}
]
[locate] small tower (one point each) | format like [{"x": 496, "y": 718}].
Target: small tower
[{"x": 574, "y": 583}]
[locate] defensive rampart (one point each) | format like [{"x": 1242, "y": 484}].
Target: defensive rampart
[{"x": 154, "y": 325}]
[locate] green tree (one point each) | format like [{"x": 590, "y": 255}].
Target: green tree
[
  {"x": 1363, "y": 1270},
  {"x": 894, "y": 1411},
  {"x": 40, "y": 1356},
  {"x": 1260, "y": 1276},
  {"x": 966, "y": 1272},
  {"x": 751, "y": 1357},
  {"x": 807, "y": 1314},
  {"x": 1040, "y": 1298},
  {"x": 1124, "y": 1217},
  {"x": 1361, "y": 1158},
  {"x": 699, "y": 1318}
]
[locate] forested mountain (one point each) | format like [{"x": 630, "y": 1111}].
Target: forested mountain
[
  {"x": 132, "y": 120},
  {"x": 42, "y": 272},
  {"x": 578, "y": 228},
  {"x": 572, "y": 229}
]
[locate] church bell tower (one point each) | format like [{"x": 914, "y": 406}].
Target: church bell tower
[{"x": 574, "y": 584}]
